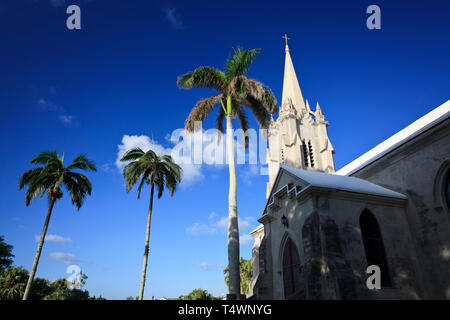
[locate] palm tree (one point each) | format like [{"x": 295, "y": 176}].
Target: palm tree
[
  {"x": 236, "y": 91},
  {"x": 153, "y": 170},
  {"x": 49, "y": 179}
]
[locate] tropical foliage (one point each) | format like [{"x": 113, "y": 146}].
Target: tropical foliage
[
  {"x": 246, "y": 271},
  {"x": 151, "y": 169},
  {"x": 6, "y": 256},
  {"x": 14, "y": 279},
  {"x": 199, "y": 294},
  {"x": 235, "y": 94},
  {"x": 49, "y": 179},
  {"x": 235, "y": 91}
]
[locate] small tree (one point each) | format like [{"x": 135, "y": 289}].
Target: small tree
[
  {"x": 12, "y": 283},
  {"x": 246, "y": 271},
  {"x": 198, "y": 294},
  {"x": 5, "y": 255}
]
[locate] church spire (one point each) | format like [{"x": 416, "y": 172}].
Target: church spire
[{"x": 291, "y": 87}]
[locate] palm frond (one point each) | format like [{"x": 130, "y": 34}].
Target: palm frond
[
  {"x": 132, "y": 154},
  {"x": 219, "y": 121},
  {"x": 83, "y": 163},
  {"x": 39, "y": 185},
  {"x": 238, "y": 86},
  {"x": 259, "y": 91},
  {"x": 27, "y": 177},
  {"x": 53, "y": 175},
  {"x": 201, "y": 110},
  {"x": 203, "y": 77},
  {"x": 242, "y": 117},
  {"x": 77, "y": 191},
  {"x": 132, "y": 173},
  {"x": 261, "y": 113},
  {"x": 44, "y": 156},
  {"x": 239, "y": 63},
  {"x": 82, "y": 181}
]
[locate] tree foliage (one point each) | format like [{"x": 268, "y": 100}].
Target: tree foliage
[
  {"x": 49, "y": 178},
  {"x": 150, "y": 169},
  {"x": 199, "y": 294},
  {"x": 6, "y": 256},
  {"x": 246, "y": 271},
  {"x": 14, "y": 279},
  {"x": 234, "y": 89}
]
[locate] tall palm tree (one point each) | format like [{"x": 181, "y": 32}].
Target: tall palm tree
[
  {"x": 235, "y": 91},
  {"x": 153, "y": 170},
  {"x": 48, "y": 180}
]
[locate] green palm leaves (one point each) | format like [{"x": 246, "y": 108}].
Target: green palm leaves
[
  {"x": 53, "y": 175},
  {"x": 235, "y": 92},
  {"x": 151, "y": 169},
  {"x": 50, "y": 178}
]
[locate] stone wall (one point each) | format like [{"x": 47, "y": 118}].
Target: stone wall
[{"x": 418, "y": 169}]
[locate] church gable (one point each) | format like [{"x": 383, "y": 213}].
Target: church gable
[
  {"x": 294, "y": 182},
  {"x": 285, "y": 183}
]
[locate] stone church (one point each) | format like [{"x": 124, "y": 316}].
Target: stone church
[{"x": 321, "y": 229}]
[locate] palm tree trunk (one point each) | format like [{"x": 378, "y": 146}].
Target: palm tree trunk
[
  {"x": 233, "y": 228},
  {"x": 147, "y": 240},
  {"x": 39, "y": 250}
]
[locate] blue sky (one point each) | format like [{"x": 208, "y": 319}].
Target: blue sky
[{"x": 113, "y": 83}]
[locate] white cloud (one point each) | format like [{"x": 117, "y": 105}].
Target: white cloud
[
  {"x": 174, "y": 19},
  {"x": 212, "y": 215},
  {"x": 221, "y": 226},
  {"x": 106, "y": 167},
  {"x": 66, "y": 119},
  {"x": 54, "y": 238},
  {"x": 67, "y": 258},
  {"x": 206, "y": 266},
  {"x": 46, "y": 105},
  {"x": 245, "y": 239},
  {"x": 191, "y": 172},
  {"x": 248, "y": 172},
  {"x": 197, "y": 229}
]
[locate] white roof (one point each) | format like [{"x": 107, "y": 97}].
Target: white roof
[
  {"x": 417, "y": 127},
  {"x": 259, "y": 227},
  {"x": 334, "y": 181}
]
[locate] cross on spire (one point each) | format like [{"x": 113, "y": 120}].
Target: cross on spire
[{"x": 285, "y": 37}]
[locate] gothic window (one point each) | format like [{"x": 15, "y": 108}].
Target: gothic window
[
  {"x": 373, "y": 245},
  {"x": 447, "y": 191},
  {"x": 291, "y": 268},
  {"x": 311, "y": 155},
  {"x": 441, "y": 187},
  {"x": 305, "y": 153}
]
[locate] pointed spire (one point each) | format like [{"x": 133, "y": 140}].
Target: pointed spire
[
  {"x": 307, "y": 106},
  {"x": 291, "y": 87},
  {"x": 319, "y": 113},
  {"x": 318, "y": 109}
]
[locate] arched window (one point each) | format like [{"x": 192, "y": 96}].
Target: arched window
[
  {"x": 291, "y": 268},
  {"x": 373, "y": 245},
  {"x": 447, "y": 191}
]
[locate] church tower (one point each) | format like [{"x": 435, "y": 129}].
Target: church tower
[{"x": 299, "y": 136}]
